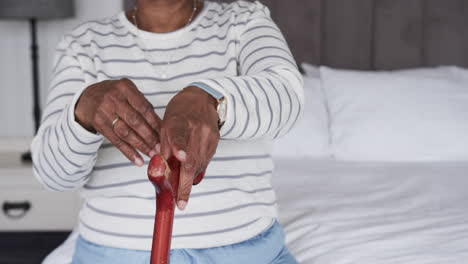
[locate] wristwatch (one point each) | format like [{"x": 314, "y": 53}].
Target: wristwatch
[
  {"x": 222, "y": 111},
  {"x": 222, "y": 105}
]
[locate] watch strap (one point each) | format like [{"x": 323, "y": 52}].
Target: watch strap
[
  {"x": 221, "y": 108},
  {"x": 208, "y": 89}
]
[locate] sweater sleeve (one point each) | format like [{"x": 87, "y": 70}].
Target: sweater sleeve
[
  {"x": 63, "y": 152},
  {"x": 266, "y": 98}
]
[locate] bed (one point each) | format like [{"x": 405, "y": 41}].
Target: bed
[
  {"x": 362, "y": 212},
  {"x": 343, "y": 199}
]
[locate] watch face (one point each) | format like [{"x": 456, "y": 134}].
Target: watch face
[{"x": 222, "y": 110}]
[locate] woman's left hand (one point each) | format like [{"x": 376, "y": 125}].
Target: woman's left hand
[{"x": 190, "y": 132}]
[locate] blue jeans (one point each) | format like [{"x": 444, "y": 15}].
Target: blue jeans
[{"x": 265, "y": 248}]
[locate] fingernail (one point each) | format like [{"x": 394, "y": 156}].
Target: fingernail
[
  {"x": 158, "y": 148},
  {"x": 139, "y": 162},
  {"x": 152, "y": 153},
  {"x": 182, "y": 204},
  {"x": 182, "y": 155}
]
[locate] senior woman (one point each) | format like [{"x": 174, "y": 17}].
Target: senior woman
[{"x": 209, "y": 83}]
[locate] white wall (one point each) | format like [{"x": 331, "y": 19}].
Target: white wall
[{"x": 15, "y": 63}]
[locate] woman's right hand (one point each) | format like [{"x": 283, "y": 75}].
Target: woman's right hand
[{"x": 120, "y": 112}]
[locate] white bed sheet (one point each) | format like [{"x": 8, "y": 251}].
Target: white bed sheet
[
  {"x": 337, "y": 212},
  {"x": 348, "y": 212}
]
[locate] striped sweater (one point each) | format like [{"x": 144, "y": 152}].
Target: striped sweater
[{"x": 234, "y": 48}]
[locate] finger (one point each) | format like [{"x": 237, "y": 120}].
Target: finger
[
  {"x": 103, "y": 123},
  {"x": 139, "y": 102},
  {"x": 207, "y": 145},
  {"x": 178, "y": 138},
  {"x": 165, "y": 148},
  {"x": 126, "y": 133},
  {"x": 212, "y": 146},
  {"x": 188, "y": 168},
  {"x": 187, "y": 171},
  {"x": 204, "y": 143},
  {"x": 121, "y": 129},
  {"x": 105, "y": 128},
  {"x": 137, "y": 123},
  {"x": 153, "y": 119}
]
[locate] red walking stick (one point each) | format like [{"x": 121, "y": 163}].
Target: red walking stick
[{"x": 165, "y": 177}]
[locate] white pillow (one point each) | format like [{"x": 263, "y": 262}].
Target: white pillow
[
  {"x": 310, "y": 70},
  {"x": 310, "y": 136},
  {"x": 415, "y": 115}
]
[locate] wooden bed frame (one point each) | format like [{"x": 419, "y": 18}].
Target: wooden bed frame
[{"x": 374, "y": 34}]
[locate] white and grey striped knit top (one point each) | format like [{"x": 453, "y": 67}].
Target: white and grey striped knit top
[{"x": 234, "y": 48}]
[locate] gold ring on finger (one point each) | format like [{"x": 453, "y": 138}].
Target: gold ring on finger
[{"x": 115, "y": 121}]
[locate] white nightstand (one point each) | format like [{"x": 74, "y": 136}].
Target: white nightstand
[{"x": 24, "y": 204}]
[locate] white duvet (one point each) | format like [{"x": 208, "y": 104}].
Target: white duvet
[
  {"x": 338, "y": 212},
  {"x": 343, "y": 212}
]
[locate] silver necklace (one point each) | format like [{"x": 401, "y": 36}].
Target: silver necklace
[{"x": 161, "y": 72}]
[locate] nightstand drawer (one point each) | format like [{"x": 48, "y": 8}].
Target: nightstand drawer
[{"x": 27, "y": 208}]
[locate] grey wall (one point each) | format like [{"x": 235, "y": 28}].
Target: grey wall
[
  {"x": 374, "y": 34},
  {"x": 390, "y": 34},
  {"x": 359, "y": 34}
]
